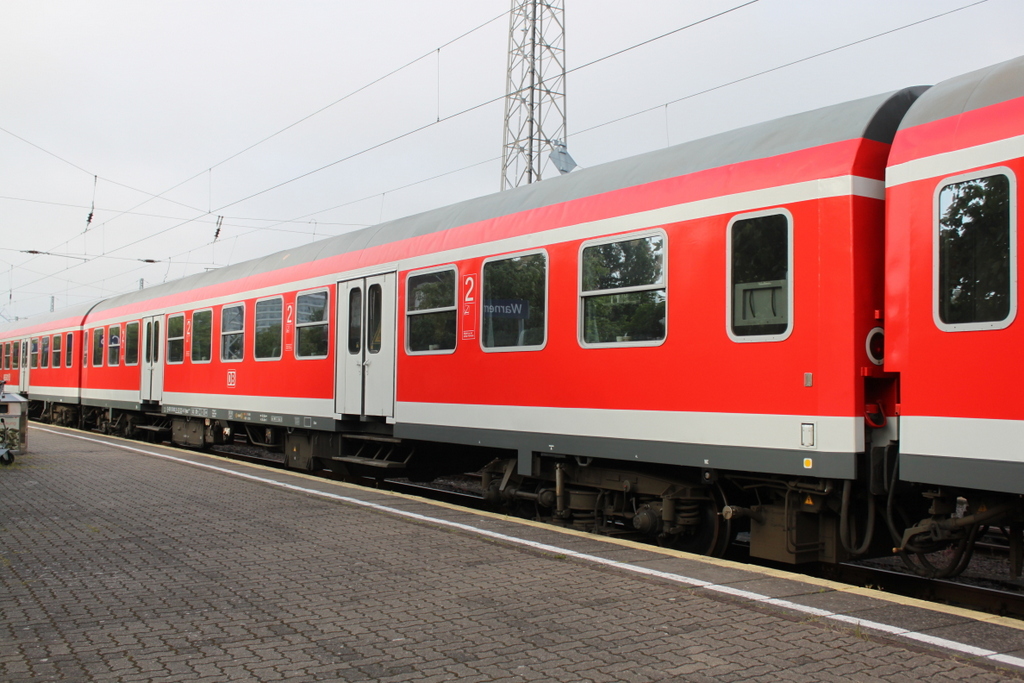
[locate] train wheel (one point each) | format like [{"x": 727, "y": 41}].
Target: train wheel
[
  {"x": 945, "y": 563},
  {"x": 711, "y": 535}
]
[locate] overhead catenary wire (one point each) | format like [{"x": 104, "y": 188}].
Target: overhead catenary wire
[
  {"x": 251, "y": 146},
  {"x": 782, "y": 66},
  {"x": 591, "y": 128},
  {"x": 606, "y": 123}
]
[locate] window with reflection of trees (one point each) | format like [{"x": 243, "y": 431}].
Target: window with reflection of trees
[
  {"x": 431, "y": 311},
  {"x": 97, "y": 347},
  {"x": 232, "y": 332},
  {"x": 176, "y": 339},
  {"x": 974, "y": 251},
  {"x": 114, "y": 346},
  {"x": 131, "y": 344},
  {"x": 202, "y": 336},
  {"x": 269, "y": 314},
  {"x": 514, "y": 294},
  {"x": 55, "y": 349},
  {"x": 760, "y": 275},
  {"x": 311, "y": 325},
  {"x": 623, "y": 291}
]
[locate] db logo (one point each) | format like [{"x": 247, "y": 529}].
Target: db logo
[{"x": 231, "y": 378}]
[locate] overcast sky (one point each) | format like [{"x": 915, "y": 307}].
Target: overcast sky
[{"x": 110, "y": 102}]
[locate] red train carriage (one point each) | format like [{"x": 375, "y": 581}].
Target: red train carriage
[
  {"x": 677, "y": 344},
  {"x": 712, "y": 315},
  {"x": 953, "y": 203},
  {"x": 40, "y": 360}
]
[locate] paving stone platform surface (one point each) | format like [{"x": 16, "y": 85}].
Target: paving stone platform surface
[{"x": 118, "y": 565}]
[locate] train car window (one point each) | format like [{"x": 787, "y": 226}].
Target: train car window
[
  {"x": 311, "y": 325},
  {"x": 131, "y": 343},
  {"x": 232, "y": 332},
  {"x": 623, "y": 291},
  {"x": 514, "y": 298},
  {"x": 355, "y": 320},
  {"x": 97, "y": 347},
  {"x": 431, "y": 311},
  {"x": 7, "y": 356},
  {"x": 176, "y": 338},
  {"x": 114, "y": 346},
  {"x": 85, "y": 348},
  {"x": 202, "y": 336},
  {"x": 148, "y": 353},
  {"x": 156, "y": 341},
  {"x": 69, "y": 347},
  {"x": 44, "y": 355},
  {"x": 974, "y": 248},
  {"x": 759, "y": 262},
  {"x": 34, "y": 353},
  {"x": 55, "y": 349},
  {"x": 16, "y": 356},
  {"x": 374, "y": 318},
  {"x": 267, "y": 345}
]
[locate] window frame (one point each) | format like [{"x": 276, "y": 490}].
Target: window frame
[
  {"x": 114, "y": 359},
  {"x": 192, "y": 337},
  {"x": 44, "y": 352},
  {"x": 581, "y": 296},
  {"x": 240, "y": 304},
  {"x": 168, "y": 338},
  {"x": 790, "y": 277},
  {"x": 326, "y": 322},
  {"x": 69, "y": 349},
  {"x": 547, "y": 301},
  {"x": 941, "y": 184},
  {"x": 124, "y": 342},
  {"x": 455, "y": 307},
  {"x": 56, "y": 346},
  {"x": 7, "y": 355},
  {"x": 103, "y": 348},
  {"x": 268, "y": 359}
]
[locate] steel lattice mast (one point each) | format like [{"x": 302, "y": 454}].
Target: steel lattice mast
[{"x": 535, "y": 99}]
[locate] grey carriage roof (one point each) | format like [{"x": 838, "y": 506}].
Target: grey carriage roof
[
  {"x": 875, "y": 118},
  {"x": 974, "y": 90}
]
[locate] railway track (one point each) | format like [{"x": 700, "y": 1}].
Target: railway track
[{"x": 999, "y": 598}]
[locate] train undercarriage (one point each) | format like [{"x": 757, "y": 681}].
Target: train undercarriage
[{"x": 790, "y": 520}]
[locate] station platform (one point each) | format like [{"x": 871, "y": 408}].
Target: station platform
[{"x": 122, "y": 561}]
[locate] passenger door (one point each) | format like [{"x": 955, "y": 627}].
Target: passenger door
[
  {"x": 152, "y": 383},
  {"x": 23, "y": 372},
  {"x": 366, "y": 346}
]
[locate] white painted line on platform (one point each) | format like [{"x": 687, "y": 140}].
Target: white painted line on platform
[{"x": 668, "y": 576}]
